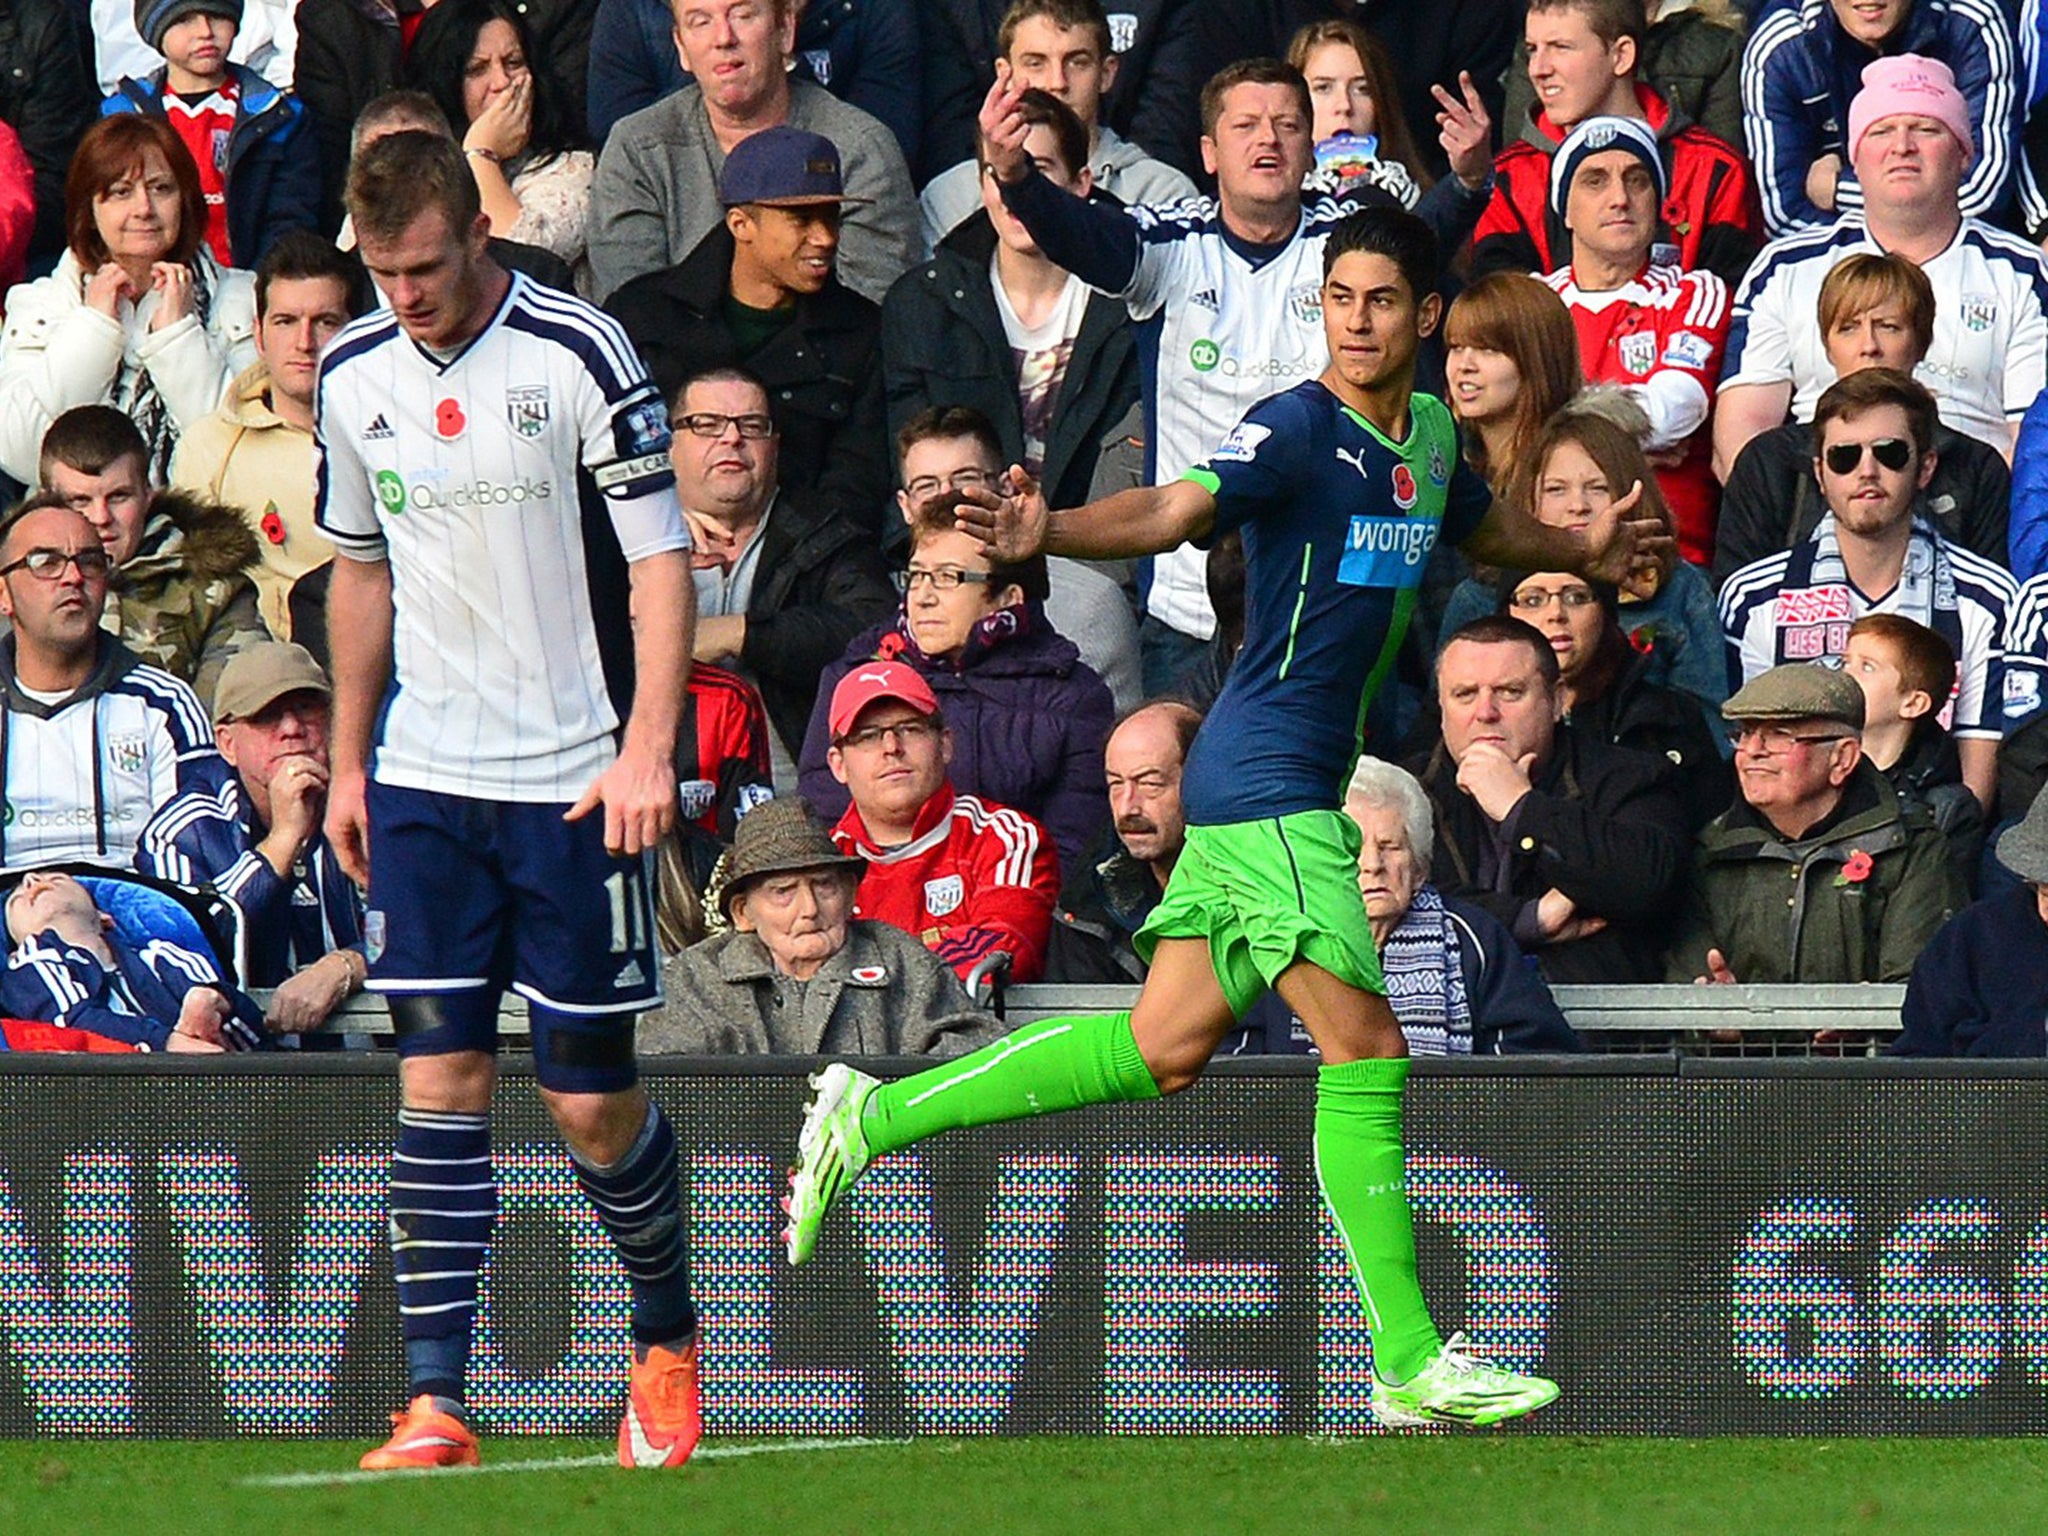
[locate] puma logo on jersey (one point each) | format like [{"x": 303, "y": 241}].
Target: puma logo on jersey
[{"x": 1355, "y": 457}]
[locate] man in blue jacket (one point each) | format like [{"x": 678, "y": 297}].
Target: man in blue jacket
[{"x": 1804, "y": 65}]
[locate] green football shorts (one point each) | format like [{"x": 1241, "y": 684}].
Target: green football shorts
[{"x": 1265, "y": 894}]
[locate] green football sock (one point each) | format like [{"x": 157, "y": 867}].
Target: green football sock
[
  {"x": 1043, "y": 1068},
  {"x": 1360, "y": 1170}
]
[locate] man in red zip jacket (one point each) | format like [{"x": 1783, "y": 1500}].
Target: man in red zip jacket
[
  {"x": 1582, "y": 61},
  {"x": 966, "y": 876}
]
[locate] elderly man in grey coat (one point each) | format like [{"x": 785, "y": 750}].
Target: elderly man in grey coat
[{"x": 797, "y": 973}]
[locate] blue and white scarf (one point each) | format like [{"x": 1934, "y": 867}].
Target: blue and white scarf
[{"x": 1425, "y": 974}]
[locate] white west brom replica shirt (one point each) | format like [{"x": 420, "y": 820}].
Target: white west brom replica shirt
[
  {"x": 82, "y": 774},
  {"x": 1216, "y": 336},
  {"x": 510, "y": 485},
  {"x": 1990, "y": 354}
]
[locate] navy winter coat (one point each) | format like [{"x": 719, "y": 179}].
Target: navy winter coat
[
  {"x": 1980, "y": 987},
  {"x": 273, "y": 169},
  {"x": 1029, "y": 720}
]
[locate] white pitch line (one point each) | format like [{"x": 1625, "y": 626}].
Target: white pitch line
[{"x": 552, "y": 1464}]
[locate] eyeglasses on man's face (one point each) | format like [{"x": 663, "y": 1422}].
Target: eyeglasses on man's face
[
  {"x": 714, "y": 424},
  {"x": 907, "y": 733},
  {"x": 924, "y": 487},
  {"x": 49, "y": 564}
]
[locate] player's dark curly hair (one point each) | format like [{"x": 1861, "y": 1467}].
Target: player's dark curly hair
[{"x": 1395, "y": 234}]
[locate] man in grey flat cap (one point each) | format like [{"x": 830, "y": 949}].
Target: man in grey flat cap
[{"x": 1816, "y": 873}]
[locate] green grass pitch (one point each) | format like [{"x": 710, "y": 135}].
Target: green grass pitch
[{"x": 1469, "y": 1485}]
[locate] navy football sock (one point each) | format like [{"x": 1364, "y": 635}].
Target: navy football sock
[
  {"x": 640, "y": 1205},
  {"x": 444, "y": 1203}
]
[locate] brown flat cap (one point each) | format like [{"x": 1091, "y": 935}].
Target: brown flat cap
[{"x": 1800, "y": 690}]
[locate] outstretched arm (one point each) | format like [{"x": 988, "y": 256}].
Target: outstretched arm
[
  {"x": 1619, "y": 542},
  {"x": 1145, "y": 521}
]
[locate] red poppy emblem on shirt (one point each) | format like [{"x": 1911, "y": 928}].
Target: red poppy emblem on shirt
[
  {"x": 1404, "y": 487},
  {"x": 448, "y": 418},
  {"x": 272, "y": 525},
  {"x": 1855, "y": 869}
]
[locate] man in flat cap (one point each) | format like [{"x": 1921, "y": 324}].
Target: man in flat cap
[
  {"x": 258, "y": 840},
  {"x": 1816, "y": 873}
]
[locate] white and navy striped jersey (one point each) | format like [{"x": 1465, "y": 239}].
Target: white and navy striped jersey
[
  {"x": 1216, "y": 336},
  {"x": 2026, "y": 655},
  {"x": 1798, "y": 606},
  {"x": 509, "y": 486},
  {"x": 1990, "y": 354},
  {"x": 82, "y": 776}
]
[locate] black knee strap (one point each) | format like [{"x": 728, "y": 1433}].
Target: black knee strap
[
  {"x": 415, "y": 1013},
  {"x": 604, "y": 1049}
]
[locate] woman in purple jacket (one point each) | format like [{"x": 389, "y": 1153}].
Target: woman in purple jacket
[{"x": 1028, "y": 717}]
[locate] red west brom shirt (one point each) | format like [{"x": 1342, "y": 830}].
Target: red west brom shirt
[
  {"x": 204, "y": 123},
  {"x": 722, "y": 768},
  {"x": 974, "y": 878},
  {"x": 1661, "y": 337}
]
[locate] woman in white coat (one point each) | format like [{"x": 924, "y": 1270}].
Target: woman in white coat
[{"x": 137, "y": 314}]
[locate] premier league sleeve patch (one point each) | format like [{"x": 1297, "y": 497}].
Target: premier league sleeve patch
[{"x": 1242, "y": 446}]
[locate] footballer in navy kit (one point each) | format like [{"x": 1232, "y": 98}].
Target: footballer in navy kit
[
  {"x": 509, "y": 620},
  {"x": 1341, "y": 486}
]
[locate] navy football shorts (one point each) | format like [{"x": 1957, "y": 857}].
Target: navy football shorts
[{"x": 469, "y": 897}]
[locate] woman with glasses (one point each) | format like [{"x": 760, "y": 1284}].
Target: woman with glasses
[
  {"x": 1029, "y": 718},
  {"x": 1604, "y": 687},
  {"x": 1586, "y": 457}
]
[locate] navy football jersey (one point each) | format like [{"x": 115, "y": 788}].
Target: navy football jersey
[{"x": 1338, "y": 523}]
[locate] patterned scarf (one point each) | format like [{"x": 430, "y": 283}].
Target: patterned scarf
[
  {"x": 135, "y": 392},
  {"x": 1816, "y": 603},
  {"x": 990, "y": 632},
  {"x": 1425, "y": 976}
]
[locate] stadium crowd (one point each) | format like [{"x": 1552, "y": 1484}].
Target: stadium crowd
[{"x": 1781, "y": 266}]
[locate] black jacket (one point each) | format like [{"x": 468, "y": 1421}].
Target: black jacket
[
  {"x": 823, "y": 372},
  {"x": 944, "y": 344},
  {"x": 1636, "y": 713},
  {"x": 819, "y": 582},
  {"x": 1105, "y": 899},
  {"x": 348, "y": 54},
  {"x": 1772, "y": 501},
  {"x": 1601, "y": 824},
  {"x": 49, "y": 99},
  {"x": 1929, "y": 774}
]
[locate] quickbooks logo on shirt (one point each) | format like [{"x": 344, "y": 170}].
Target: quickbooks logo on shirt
[
  {"x": 1205, "y": 354},
  {"x": 396, "y": 496},
  {"x": 1386, "y": 551}
]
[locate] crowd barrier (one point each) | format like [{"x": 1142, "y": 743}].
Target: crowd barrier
[
  {"x": 1734, "y": 1020},
  {"x": 1692, "y": 1246}
]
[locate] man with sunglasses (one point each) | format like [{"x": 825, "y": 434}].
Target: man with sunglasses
[
  {"x": 762, "y": 291},
  {"x": 783, "y": 582},
  {"x": 95, "y": 740},
  {"x": 1873, "y": 455},
  {"x": 1816, "y": 873},
  {"x": 967, "y": 876}
]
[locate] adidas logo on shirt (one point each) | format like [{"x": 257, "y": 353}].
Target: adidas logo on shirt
[
  {"x": 378, "y": 428},
  {"x": 631, "y": 976},
  {"x": 1206, "y": 297}
]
